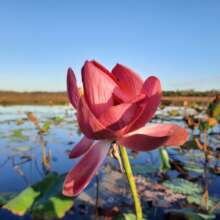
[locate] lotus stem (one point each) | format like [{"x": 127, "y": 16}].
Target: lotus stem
[
  {"x": 128, "y": 171},
  {"x": 97, "y": 197},
  {"x": 206, "y": 145}
]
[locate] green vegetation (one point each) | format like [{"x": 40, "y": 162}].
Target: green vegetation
[
  {"x": 18, "y": 135},
  {"x": 191, "y": 92},
  {"x": 44, "y": 200},
  {"x": 188, "y": 214},
  {"x": 60, "y": 98},
  {"x": 183, "y": 186}
]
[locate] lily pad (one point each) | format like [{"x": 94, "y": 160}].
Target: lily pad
[
  {"x": 183, "y": 186},
  {"x": 6, "y": 196},
  {"x": 193, "y": 167},
  {"x": 197, "y": 199},
  {"x": 45, "y": 127},
  {"x": 57, "y": 119},
  {"x": 127, "y": 216},
  {"x": 43, "y": 200},
  {"x": 191, "y": 144},
  {"x": 144, "y": 169},
  {"x": 174, "y": 113},
  {"x": 195, "y": 154},
  {"x": 18, "y": 135},
  {"x": 22, "y": 148},
  {"x": 19, "y": 122},
  {"x": 188, "y": 214}
]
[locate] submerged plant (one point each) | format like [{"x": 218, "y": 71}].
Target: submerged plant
[{"x": 113, "y": 109}]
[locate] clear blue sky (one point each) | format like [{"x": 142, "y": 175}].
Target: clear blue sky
[{"x": 176, "y": 40}]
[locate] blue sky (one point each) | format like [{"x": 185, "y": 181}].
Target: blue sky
[{"x": 178, "y": 41}]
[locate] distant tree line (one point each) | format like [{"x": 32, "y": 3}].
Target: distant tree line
[
  {"x": 60, "y": 98},
  {"x": 191, "y": 92}
]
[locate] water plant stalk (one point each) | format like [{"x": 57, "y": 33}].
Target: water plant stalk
[
  {"x": 128, "y": 171},
  {"x": 97, "y": 197}
]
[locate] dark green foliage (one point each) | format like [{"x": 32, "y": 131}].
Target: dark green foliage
[{"x": 43, "y": 200}]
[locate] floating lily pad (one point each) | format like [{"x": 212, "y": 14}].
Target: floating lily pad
[
  {"x": 57, "y": 119},
  {"x": 19, "y": 122},
  {"x": 188, "y": 214},
  {"x": 191, "y": 144},
  {"x": 5, "y": 197},
  {"x": 45, "y": 127},
  {"x": 193, "y": 167},
  {"x": 22, "y": 148},
  {"x": 18, "y": 135},
  {"x": 127, "y": 216},
  {"x": 47, "y": 124},
  {"x": 1, "y": 134},
  {"x": 197, "y": 199},
  {"x": 43, "y": 200},
  {"x": 144, "y": 169},
  {"x": 174, "y": 113},
  {"x": 195, "y": 154},
  {"x": 183, "y": 186}
]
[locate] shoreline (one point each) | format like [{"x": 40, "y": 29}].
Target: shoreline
[{"x": 60, "y": 98}]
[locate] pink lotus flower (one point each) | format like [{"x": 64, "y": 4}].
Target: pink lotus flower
[{"x": 115, "y": 107}]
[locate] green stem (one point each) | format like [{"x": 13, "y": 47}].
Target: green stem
[{"x": 131, "y": 181}]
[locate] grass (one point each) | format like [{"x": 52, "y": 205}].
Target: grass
[
  {"x": 60, "y": 98},
  {"x": 33, "y": 98}
]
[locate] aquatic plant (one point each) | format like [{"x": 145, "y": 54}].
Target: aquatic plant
[
  {"x": 114, "y": 108},
  {"x": 43, "y": 200},
  {"x": 204, "y": 124},
  {"x": 214, "y": 108}
]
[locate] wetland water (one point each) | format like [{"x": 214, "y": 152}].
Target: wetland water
[{"x": 26, "y": 157}]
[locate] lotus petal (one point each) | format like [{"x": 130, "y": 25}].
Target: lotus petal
[
  {"x": 152, "y": 89},
  {"x": 120, "y": 116},
  {"x": 80, "y": 176},
  {"x": 89, "y": 124},
  {"x": 72, "y": 89},
  {"x": 128, "y": 81},
  {"x": 98, "y": 88},
  {"x": 81, "y": 148},
  {"x": 153, "y": 136}
]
